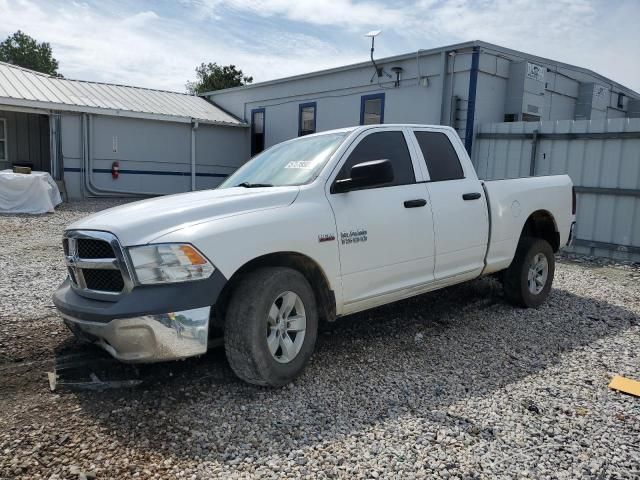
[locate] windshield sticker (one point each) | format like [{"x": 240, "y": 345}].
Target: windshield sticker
[
  {"x": 300, "y": 164},
  {"x": 359, "y": 235}
]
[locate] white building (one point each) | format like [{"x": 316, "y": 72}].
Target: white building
[
  {"x": 461, "y": 85},
  {"x": 160, "y": 142}
]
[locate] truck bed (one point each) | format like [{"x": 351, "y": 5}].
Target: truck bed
[{"x": 510, "y": 202}]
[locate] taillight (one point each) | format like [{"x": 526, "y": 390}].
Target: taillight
[{"x": 573, "y": 200}]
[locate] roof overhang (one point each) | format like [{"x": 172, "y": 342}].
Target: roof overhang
[{"x": 37, "y": 106}]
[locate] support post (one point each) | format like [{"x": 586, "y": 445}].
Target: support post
[
  {"x": 471, "y": 103},
  {"x": 534, "y": 154}
]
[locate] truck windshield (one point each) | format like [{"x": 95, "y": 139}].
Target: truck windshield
[{"x": 290, "y": 163}]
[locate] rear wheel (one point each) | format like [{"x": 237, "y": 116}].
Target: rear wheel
[
  {"x": 271, "y": 326},
  {"x": 527, "y": 281}
]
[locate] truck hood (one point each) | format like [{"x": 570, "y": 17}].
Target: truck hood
[{"x": 141, "y": 222}]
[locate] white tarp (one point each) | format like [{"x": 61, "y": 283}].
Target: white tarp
[{"x": 28, "y": 193}]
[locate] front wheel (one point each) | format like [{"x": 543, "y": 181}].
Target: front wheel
[
  {"x": 271, "y": 326},
  {"x": 527, "y": 281}
]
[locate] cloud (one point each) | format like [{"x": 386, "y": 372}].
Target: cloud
[
  {"x": 343, "y": 13},
  {"x": 145, "y": 48},
  {"x": 601, "y": 36},
  {"x": 159, "y": 44},
  {"x": 596, "y": 34}
]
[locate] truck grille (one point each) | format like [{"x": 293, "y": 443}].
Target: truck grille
[
  {"x": 103, "y": 280},
  {"x": 88, "y": 248},
  {"x": 95, "y": 262}
]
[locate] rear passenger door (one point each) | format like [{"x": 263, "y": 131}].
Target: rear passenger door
[
  {"x": 385, "y": 232},
  {"x": 460, "y": 218}
]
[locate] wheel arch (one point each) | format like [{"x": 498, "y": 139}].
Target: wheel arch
[
  {"x": 542, "y": 224},
  {"x": 312, "y": 271}
]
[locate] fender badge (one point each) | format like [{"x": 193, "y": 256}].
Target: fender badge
[{"x": 326, "y": 237}]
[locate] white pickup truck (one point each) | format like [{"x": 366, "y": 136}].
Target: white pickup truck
[{"x": 309, "y": 230}]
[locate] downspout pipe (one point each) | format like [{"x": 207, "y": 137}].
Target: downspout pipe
[
  {"x": 53, "y": 147},
  {"x": 58, "y": 142},
  {"x": 194, "y": 127},
  {"x": 471, "y": 103}
]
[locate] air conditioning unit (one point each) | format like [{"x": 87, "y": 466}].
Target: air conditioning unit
[
  {"x": 525, "y": 92},
  {"x": 633, "y": 108},
  {"x": 593, "y": 100}
]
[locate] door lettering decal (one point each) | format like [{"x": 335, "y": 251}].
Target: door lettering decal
[{"x": 358, "y": 235}]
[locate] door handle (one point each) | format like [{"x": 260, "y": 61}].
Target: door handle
[
  {"x": 418, "y": 202},
  {"x": 471, "y": 196}
]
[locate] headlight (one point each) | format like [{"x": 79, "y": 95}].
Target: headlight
[{"x": 169, "y": 263}]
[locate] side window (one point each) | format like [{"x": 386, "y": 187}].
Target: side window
[
  {"x": 383, "y": 146},
  {"x": 257, "y": 131},
  {"x": 442, "y": 160},
  {"x": 372, "y": 109},
  {"x": 307, "y": 119}
]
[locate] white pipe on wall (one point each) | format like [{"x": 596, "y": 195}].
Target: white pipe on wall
[
  {"x": 87, "y": 167},
  {"x": 194, "y": 127}
]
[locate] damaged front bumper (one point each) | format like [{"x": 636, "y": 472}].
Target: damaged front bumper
[
  {"x": 148, "y": 324},
  {"x": 148, "y": 338}
]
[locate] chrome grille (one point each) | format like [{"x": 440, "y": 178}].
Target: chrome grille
[{"x": 96, "y": 263}]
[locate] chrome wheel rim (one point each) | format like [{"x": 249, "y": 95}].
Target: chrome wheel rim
[
  {"x": 286, "y": 327},
  {"x": 538, "y": 273}
]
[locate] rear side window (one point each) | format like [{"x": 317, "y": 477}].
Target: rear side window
[
  {"x": 442, "y": 160},
  {"x": 383, "y": 146}
]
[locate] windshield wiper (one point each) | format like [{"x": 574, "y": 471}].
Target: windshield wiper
[{"x": 253, "y": 185}]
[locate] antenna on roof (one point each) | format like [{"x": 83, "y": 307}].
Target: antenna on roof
[{"x": 379, "y": 70}]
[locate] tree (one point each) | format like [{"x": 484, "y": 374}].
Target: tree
[
  {"x": 22, "y": 50},
  {"x": 211, "y": 76}
]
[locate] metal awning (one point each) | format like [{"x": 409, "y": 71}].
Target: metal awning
[{"x": 23, "y": 88}]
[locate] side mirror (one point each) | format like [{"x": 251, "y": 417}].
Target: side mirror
[{"x": 366, "y": 174}]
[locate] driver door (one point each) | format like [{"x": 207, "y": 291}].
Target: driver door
[{"x": 385, "y": 232}]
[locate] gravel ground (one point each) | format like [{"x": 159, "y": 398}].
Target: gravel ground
[{"x": 452, "y": 384}]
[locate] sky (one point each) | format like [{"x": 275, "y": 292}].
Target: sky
[{"x": 158, "y": 44}]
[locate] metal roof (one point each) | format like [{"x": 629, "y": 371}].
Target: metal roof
[
  {"x": 20, "y": 87},
  {"x": 431, "y": 51}
]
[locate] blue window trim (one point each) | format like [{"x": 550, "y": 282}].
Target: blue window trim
[
  {"x": 315, "y": 114},
  {"x": 373, "y": 96},
  {"x": 264, "y": 128}
]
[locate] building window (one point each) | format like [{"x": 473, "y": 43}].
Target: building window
[
  {"x": 257, "y": 131},
  {"x": 307, "y": 119},
  {"x": 372, "y": 109},
  {"x": 510, "y": 117},
  {"x": 3, "y": 140},
  {"x": 620, "y": 100}
]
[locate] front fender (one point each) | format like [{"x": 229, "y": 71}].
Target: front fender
[{"x": 306, "y": 227}]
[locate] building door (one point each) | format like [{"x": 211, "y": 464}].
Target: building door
[{"x": 257, "y": 131}]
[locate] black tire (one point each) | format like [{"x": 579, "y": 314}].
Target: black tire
[
  {"x": 515, "y": 280},
  {"x": 245, "y": 332}
]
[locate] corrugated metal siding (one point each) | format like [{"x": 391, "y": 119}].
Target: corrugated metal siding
[
  {"x": 22, "y": 87},
  {"x": 606, "y": 172}
]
